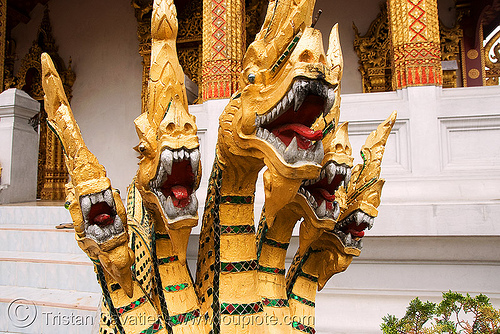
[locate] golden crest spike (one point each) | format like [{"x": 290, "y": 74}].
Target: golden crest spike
[
  {"x": 334, "y": 54},
  {"x": 337, "y": 145},
  {"x": 82, "y": 164},
  {"x": 166, "y": 74},
  {"x": 381, "y": 134}
]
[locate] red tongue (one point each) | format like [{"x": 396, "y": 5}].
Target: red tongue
[
  {"x": 103, "y": 219},
  {"x": 303, "y": 134},
  {"x": 326, "y": 195},
  {"x": 357, "y": 234},
  {"x": 181, "y": 196}
]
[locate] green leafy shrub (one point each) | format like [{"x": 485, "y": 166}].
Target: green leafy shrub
[{"x": 446, "y": 317}]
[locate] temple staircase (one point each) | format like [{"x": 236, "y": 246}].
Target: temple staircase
[{"x": 47, "y": 284}]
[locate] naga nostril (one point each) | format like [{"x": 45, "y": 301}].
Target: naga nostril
[
  {"x": 188, "y": 127},
  {"x": 306, "y": 56},
  {"x": 170, "y": 128}
]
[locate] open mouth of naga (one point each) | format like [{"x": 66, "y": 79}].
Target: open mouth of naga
[
  {"x": 320, "y": 193},
  {"x": 99, "y": 213},
  {"x": 287, "y": 126},
  {"x": 351, "y": 230},
  {"x": 175, "y": 182}
]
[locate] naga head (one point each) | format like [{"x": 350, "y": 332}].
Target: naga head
[
  {"x": 287, "y": 87},
  {"x": 364, "y": 189},
  {"x": 169, "y": 169}
]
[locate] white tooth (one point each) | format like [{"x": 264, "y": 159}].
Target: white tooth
[
  {"x": 167, "y": 158},
  {"x": 302, "y": 190},
  {"x": 258, "y": 133},
  {"x": 281, "y": 146},
  {"x": 348, "y": 239},
  {"x": 284, "y": 103},
  {"x": 336, "y": 211},
  {"x": 330, "y": 101},
  {"x": 97, "y": 232},
  {"x": 106, "y": 231},
  {"x": 347, "y": 177},
  {"x": 265, "y": 134},
  {"x": 370, "y": 223},
  {"x": 322, "y": 174},
  {"x": 170, "y": 208},
  {"x": 339, "y": 170},
  {"x": 358, "y": 216},
  {"x": 321, "y": 210},
  {"x": 331, "y": 171},
  {"x": 269, "y": 117},
  {"x": 111, "y": 229},
  {"x": 194, "y": 157},
  {"x": 85, "y": 204},
  {"x": 176, "y": 155},
  {"x": 341, "y": 183},
  {"x": 193, "y": 205},
  {"x": 279, "y": 107},
  {"x": 319, "y": 152},
  {"x": 108, "y": 198},
  {"x": 290, "y": 96},
  {"x": 271, "y": 139},
  {"x": 257, "y": 121},
  {"x": 291, "y": 151},
  {"x": 300, "y": 91},
  {"x": 118, "y": 225},
  {"x": 182, "y": 154}
]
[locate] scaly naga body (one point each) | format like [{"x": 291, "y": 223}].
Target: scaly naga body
[{"x": 284, "y": 118}]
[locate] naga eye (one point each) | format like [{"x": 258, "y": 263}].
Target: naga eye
[
  {"x": 142, "y": 148},
  {"x": 251, "y": 78}
]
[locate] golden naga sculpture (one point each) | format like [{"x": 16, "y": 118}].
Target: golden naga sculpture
[{"x": 284, "y": 118}]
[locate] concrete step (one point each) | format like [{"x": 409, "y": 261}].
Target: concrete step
[
  {"x": 44, "y": 311},
  {"x": 38, "y": 238},
  {"x": 35, "y": 213},
  {"x": 48, "y": 271}
]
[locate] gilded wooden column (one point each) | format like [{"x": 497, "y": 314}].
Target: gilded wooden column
[
  {"x": 416, "y": 47},
  {"x": 223, "y": 47}
]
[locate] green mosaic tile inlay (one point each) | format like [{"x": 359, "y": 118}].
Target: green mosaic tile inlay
[
  {"x": 176, "y": 287},
  {"x": 184, "y": 317},
  {"x": 275, "y": 302},
  {"x": 131, "y": 306},
  {"x": 237, "y": 229},
  {"x": 241, "y": 309},
  {"x": 274, "y": 243},
  {"x": 166, "y": 260},
  {"x": 309, "y": 277},
  {"x": 302, "y": 300},
  {"x": 236, "y": 199},
  {"x": 303, "y": 328},
  {"x": 235, "y": 267},
  {"x": 272, "y": 270},
  {"x": 285, "y": 54},
  {"x": 155, "y": 328}
]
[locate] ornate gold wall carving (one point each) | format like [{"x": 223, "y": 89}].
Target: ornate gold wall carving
[
  {"x": 52, "y": 173},
  {"x": 374, "y": 53},
  {"x": 450, "y": 50},
  {"x": 189, "y": 40},
  {"x": 492, "y": 60},
  {"x": 417, "y": 59}
]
